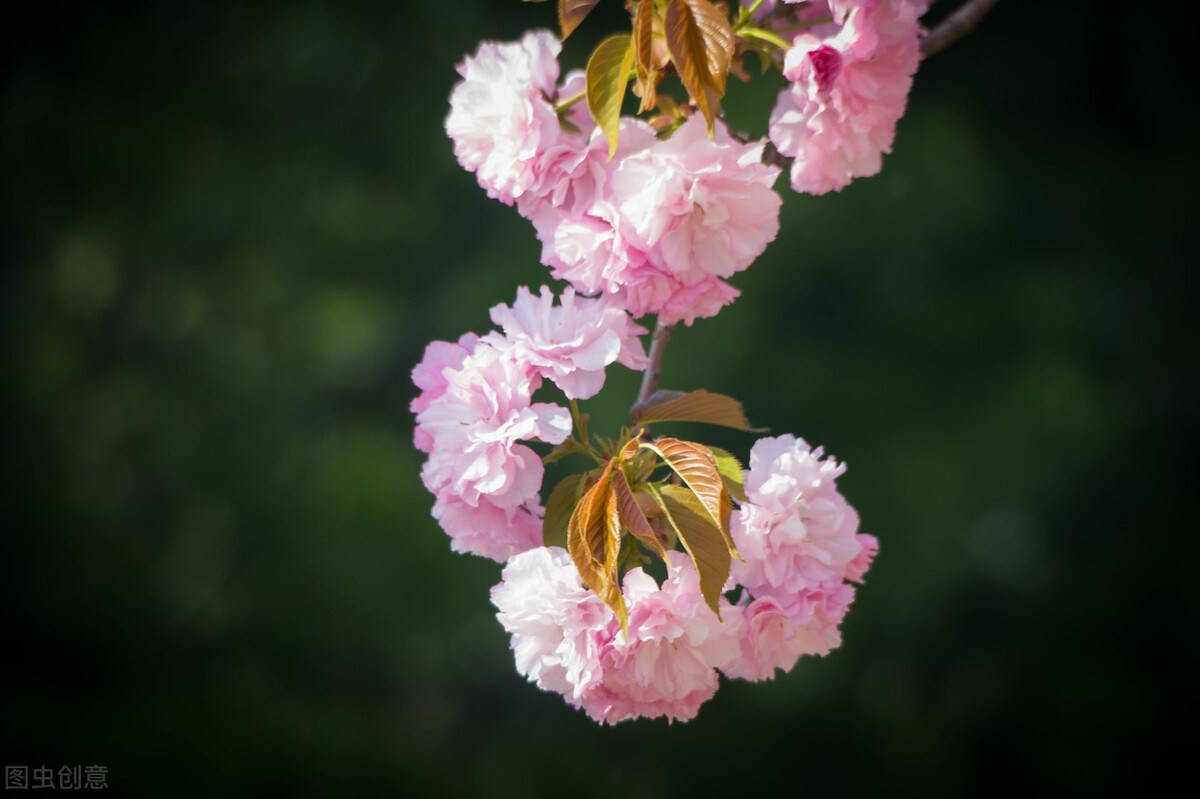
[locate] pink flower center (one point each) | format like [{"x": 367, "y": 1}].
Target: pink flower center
[{"x": 827, "y": 65}]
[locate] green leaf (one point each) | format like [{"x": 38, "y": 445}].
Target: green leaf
[
  {"x": 731, "y": 473},
  {"x": 594, "y": 542},
  {"x": 695, "y": 464},
  {"x": 698, "y": 406},
  {"x": 632, "y": 516},
  {"x": 607, "y": 76},
  {"x": 559, "y": 507},
  {"x": 571, "y": 13},
  {"x": 702, "y": 539},
  {"x": 700, "y": 41}
]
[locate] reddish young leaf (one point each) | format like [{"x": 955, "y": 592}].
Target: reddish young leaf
[
  {"x": 643, "y": 49},
  {"x": 632, "y": 516},
  {"x": 698, "y": 406},
  {"x": 698, "y": 468},
  {"x": 594, "y": 542},
  {"x": 571, "y": 13},
  {"x": 700, "y": 40}
]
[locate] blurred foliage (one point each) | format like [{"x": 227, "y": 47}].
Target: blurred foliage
[{"x": 229, "y": 233}]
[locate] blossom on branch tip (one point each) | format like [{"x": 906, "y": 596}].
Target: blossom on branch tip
[
  {"x": 501, "y": 118},
  {"x": 707, "y": 204},
  {"x": 666, "y": 666},
  {"x": 849, "y": 87}
]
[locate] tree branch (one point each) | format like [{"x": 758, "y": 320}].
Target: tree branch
[
  {"x": 951, "y": 29},
  {"x": 658, "y": 344},
  {"x": 955, "y": 26}
]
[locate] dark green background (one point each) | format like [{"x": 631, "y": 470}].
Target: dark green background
[{"x": 228, "y": 235}]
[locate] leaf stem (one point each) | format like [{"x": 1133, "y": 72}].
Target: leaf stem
[
  {"x": 575, "y": 417},
  {"x": 563, "y": 105},
  {"x": 745, "y": 15},
  {"x": 658, "y": 344},
  {"x": 579, "y": 438},
  {"x": 766, "y": 36}
]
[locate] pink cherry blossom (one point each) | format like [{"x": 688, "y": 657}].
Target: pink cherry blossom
[
  {"x": 674, "y": 302},
  {"x": 558, "y": 626},
  {"x": 429, "y": 376},
  {"x": 474, "y": 427},
  {"x": 776, "y": 632},
  {"x": 574, "y": 215},
  {"x": 570, "y": 343},
  {"x": 661, "y": 225},
  {"x": 584, "y": 249},
  {"x": 799, "y": 541},
  {"x": 848, "y": 90},
  {"x": 576, "y": 171},
  {"x": 666, "y": 667},
  {"x": 862, "y": 561},
  {"x": 698, "y": 209},
  {"x": 489, "y": 531},
  {"x": 501, "y": 117},
  {"x": 796, "y": 531},
  {"x": 566, "y": 640}
]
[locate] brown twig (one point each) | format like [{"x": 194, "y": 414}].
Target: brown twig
[
  {"x": 961, "y": 22},
  {"x": 955, "y": 26},
  {"x": 658, "y": 344}
]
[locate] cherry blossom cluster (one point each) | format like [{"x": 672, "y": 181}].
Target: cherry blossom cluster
[
  {"x": 800, "y": 544},
  {"x": 659, "y": 227},
  {"x": 797, "y": 536},
  {"x": 850, "y": 70},
  {"x": 476, "y": 405},
  {"x": 654, "y": 219}
]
